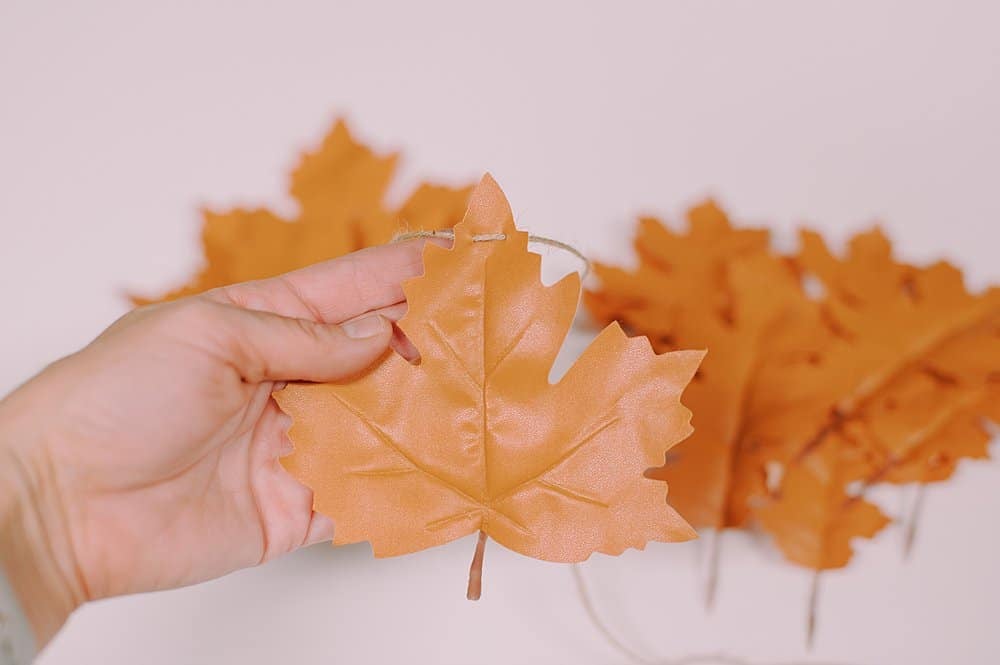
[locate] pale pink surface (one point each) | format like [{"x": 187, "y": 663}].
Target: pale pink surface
[{"x": 117, "y": 121}]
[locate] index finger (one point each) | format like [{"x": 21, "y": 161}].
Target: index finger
[{"x": 335, "y": 290}]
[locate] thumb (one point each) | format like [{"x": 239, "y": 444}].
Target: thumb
[{"x": 270, "y": 347}]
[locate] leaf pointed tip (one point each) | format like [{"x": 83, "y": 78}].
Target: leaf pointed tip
[
  {"x": 487, "y": 188},
  {"x": 686, "y": 362},
  {"x": 686, "y": 532},
  {"x": 488, "y": 212}
]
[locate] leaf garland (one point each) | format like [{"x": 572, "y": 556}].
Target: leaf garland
[{"x": 823, "y": 373}]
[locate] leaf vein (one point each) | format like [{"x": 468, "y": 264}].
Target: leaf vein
[
  {"x": 607, "y": 422},
  {"x": 386, "y": 439},
  {"x": 572, "y": 494},
  {"x": 436, "y": 329}
]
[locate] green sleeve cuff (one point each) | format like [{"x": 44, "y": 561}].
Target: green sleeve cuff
[{"x": 17, "y": 641}]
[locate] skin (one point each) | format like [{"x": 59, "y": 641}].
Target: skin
[{"x": 149, "y": 459}]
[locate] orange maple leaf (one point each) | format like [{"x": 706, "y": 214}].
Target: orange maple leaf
[
  {"x": 474, "y": 437},
  {"x": 340, "y": 190}
]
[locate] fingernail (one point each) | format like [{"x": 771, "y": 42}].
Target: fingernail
[{"x": 367, "y": 326}]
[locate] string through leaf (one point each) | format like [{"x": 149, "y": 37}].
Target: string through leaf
[{"x": 488, "y": 237}]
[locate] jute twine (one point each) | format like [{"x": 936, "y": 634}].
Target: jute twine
[{"x": 489, "y": 237}]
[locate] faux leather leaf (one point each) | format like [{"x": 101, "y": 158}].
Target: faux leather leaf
[
  {"x": 474, "y": 437},
  {"x": 340, "y": 189},
  {"x": 723, "y": 289},
  {"x": 900, "y": 355},
  {"x": 889, "y": 368},
  {"x": 678, "y": 274},
  {"x": 812, "y": 519}
]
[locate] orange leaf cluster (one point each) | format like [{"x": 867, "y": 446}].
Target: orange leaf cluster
[
  {"x": 824, "y": 375},
  {"x": 482, "y": 441},
  {"x": 340, "y": 189}
]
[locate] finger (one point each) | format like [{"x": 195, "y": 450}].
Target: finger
[
  {"x": 270, "y": 347},
  {"x": 393, "y": 312},
  {"x": 270, "y": 439},
  {"x": 336, "y": 290},
  {"x": 400, "y": 343},
  {"x": 320, "y": 529}
]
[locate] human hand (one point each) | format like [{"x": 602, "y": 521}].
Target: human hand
[{"x": 149, "y": 459}]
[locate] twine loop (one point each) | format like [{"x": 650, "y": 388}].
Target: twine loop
[{"x": 489, "y": 237}]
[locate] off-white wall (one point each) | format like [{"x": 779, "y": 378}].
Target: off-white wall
[{"x": 118, "y": 119}]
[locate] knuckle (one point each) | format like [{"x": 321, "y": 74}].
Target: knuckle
[
  {"x": 190, "y": 313},
  {"x": 252, "y": 295},
  {"x": 315, "y": 333}
]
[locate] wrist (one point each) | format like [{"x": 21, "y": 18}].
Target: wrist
[{"x": 35, "y": 554}]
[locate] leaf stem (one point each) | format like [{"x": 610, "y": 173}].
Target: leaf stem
[
  {"x": 712, "y": 577},
  {"x": 476, "y": 569},
  {"x": 813, "y": 603},
  {"x": 912, "y": 519}
]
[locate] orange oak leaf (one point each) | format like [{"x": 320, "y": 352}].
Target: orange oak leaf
[
  {"x": 812, "y": 518},
  {"x": 892, "y": 385},
  {"x": 475, "y": 438},
  {"x": 716, "y": 287},
  {"x": 678, "y": 274},
  {"x": 918, "y": 428},
  {"x": 340, "y": 189},
  {"x": 889, "y": 368},
  {"x": 903, "y": 359}
]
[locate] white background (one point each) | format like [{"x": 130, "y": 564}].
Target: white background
[{"x": 118, "y": 119}]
